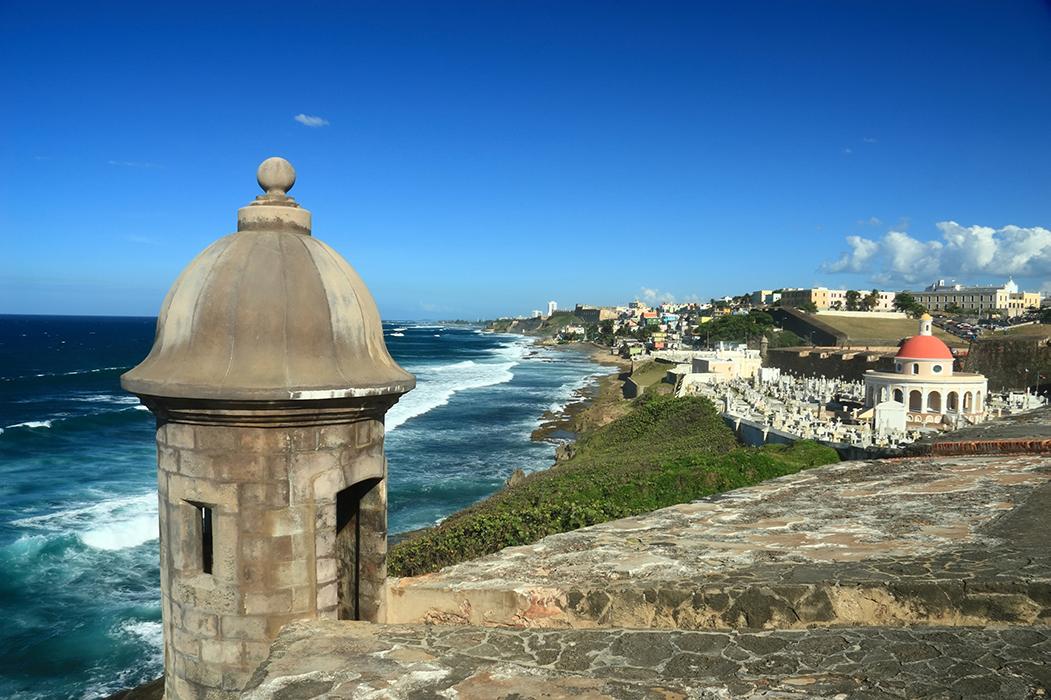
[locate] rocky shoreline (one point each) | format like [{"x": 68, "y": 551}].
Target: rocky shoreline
[{"x": 593, "y": 405}]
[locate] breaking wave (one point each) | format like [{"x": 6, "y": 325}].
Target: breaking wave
[
  {"x": 111, "y": 524},
  {"x": 436, "y": 385}
]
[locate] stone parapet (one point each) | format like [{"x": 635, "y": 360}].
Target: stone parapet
[
  {"x": 941, "y": 541},
  {"x": 348, "y": 660}
]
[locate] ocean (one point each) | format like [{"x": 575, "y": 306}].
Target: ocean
[{"x": 79, "y": 590}]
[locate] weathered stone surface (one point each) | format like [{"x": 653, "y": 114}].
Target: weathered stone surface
[
  {"x": 950, "y": 541},
  {"x": 356, "y": 660}
]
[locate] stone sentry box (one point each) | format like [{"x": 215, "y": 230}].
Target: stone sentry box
[{"x": 269, "y": 379}]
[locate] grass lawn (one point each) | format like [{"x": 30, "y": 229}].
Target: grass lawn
[
  {"x": 1038, "y": 330},
  {"x": 890, "y": 330}
]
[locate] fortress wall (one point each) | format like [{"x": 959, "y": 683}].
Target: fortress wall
[
  {"x": 1004, "y": 361},
  {"x": 828, "y": 362}
]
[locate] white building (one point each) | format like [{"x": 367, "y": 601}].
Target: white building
[
  {"x": 552, "y": 307},
  {"x": 924, "y": 382},
  {"x": 978, "y": 300}
]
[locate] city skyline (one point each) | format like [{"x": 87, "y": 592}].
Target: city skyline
[{"x": 477, "y": 160}]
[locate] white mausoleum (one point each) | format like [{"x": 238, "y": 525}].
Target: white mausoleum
[{"x": 923, "y": 381}]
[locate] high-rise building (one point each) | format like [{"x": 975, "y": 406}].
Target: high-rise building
[{"x": 552, "y": 307}]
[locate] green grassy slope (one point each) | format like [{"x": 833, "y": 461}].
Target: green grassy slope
[{"x": 665, "y": 451}]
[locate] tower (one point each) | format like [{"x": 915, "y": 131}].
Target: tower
[
  {"x": 926, "y": 323},
  {"x": 269, "y": 379}
]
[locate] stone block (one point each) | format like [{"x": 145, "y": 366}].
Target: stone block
[
  {"x": 327, "y": 484},
  {"x": 326, "y": 569},
  {"x": 278, "y": 466},
  {"x": 182, "y": 689},
  {"x": 255, "y": 653},
  {"x": 202, "y": 592},
  {"x": 324, "y": 542},
  {"x": 337, "y": 436},
  {"x": 303, "y": 546},
  {"x": 222, "y": 651},
  {"x": 302, "y": 439},
  {"x": 218, "y": 438},
  {"x": 287, "y": 574},
  {"x": 327, "y": 595},
  {"x": 238, "y": 627},
  {"x": 293, "y": 520},
  {"x": 235, "y": 680},
  {"x": 185, "y": 643},
  {"x": 221, "y": 496},
  {"x": 274, "y": 603},
  {"x": 269, "y": 494},
  {"x": 179, "y": 435},
  {"x": 225, "y": 542},
  {"x": 263, "y": 441},
  {"x": 205, "y": 625},
  {"x": 359, "y": 466},
  {"x": 167, "y": 458},
  {"x": 196, "y": 670},
  {"x": 303, "y": 599}
]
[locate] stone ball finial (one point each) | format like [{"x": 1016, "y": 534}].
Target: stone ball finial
[{"x": 276, "y": 176}]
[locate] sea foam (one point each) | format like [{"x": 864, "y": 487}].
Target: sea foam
[
  {"x": 436, "y": 385},
  {"x": 32, "y": 424},
  {"x": 110, "y": 524}
]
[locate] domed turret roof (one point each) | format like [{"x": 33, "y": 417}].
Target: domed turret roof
[{"x": 269, "y": 313}]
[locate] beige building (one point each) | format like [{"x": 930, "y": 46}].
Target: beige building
[
  {"x": 763, "y": 297},
  {"x": 821, "y": 297},
  {"x": 978, "y": 300},
  {"x": 825, "y": 299},
  {"x": 924, "y": 382}
]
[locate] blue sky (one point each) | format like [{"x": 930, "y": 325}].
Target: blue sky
[{"x": 482, "y": 158}]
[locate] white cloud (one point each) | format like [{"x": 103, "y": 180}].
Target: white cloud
[
  {"x": 311, "y": 120},
  {"x": 655, "y": 295},
  {"x": 847, "y": 151},
  {"x": 971, "y": 252},
  {"x": 869, "y": 139}
]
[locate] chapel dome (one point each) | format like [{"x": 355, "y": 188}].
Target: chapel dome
[
  {"x": 924, "y": 347},
  {"x": 269, "y": 313}
]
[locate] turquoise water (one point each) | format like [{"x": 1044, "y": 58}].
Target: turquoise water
[{"x": 78, "y": 515}]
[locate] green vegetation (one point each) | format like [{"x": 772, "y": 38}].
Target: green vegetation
[
  {"x": 561, "y": 319},
  {"x": 740, "y": 328},
  {"x": 907, "y": 303},
  {"x": 874, "y": 331},
  {"x": 785, "y": 339},
  {"x": 649, "y": 375},
  {"x": 1038, "y": 330},
  {"x": 664, "y": 451},
  {"x": 736, "y": 328}
]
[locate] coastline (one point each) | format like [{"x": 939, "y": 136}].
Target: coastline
[{"x": 593, "y": 405}]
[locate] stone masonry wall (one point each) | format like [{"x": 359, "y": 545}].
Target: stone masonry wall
[
  {"x": 272, "y": 491},
  {"x": 826, "y": 362},
  {"x": 1004, "y": 361}
]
